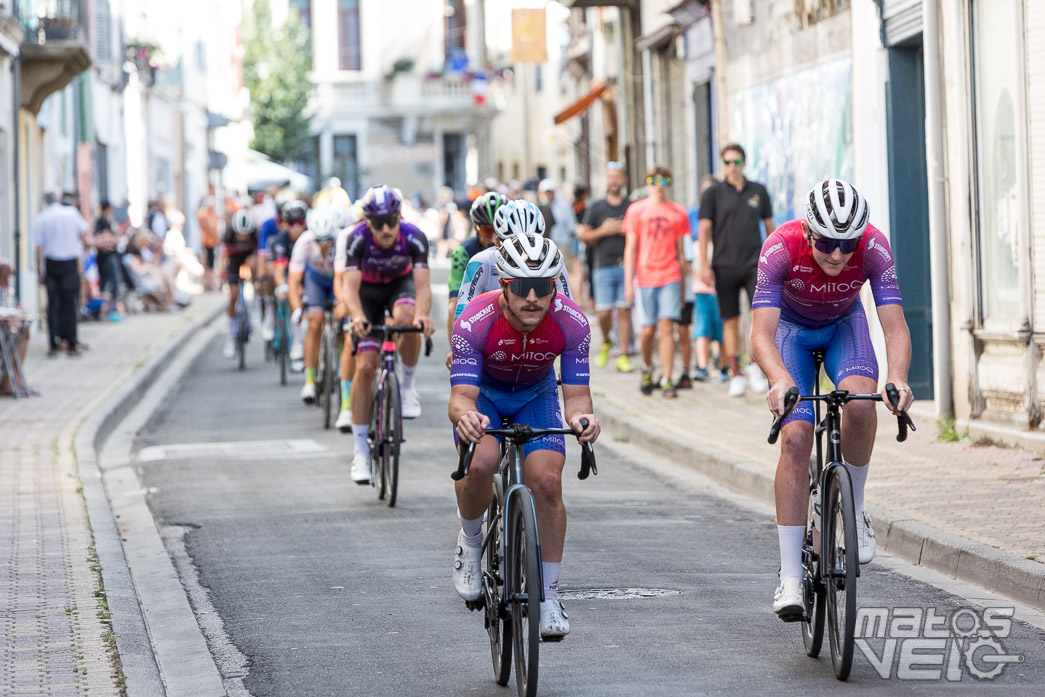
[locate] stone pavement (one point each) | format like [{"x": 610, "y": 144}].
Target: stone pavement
[
  {"x": 973, "y": 510},
  {"x": 55, "y": 632}
]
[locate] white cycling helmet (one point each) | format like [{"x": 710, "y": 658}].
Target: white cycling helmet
[
  {"x": 243, "y": 222},
  {"x": 836, "y": 209},
  {"x": 528, "y": 256},
  {"x": 324, "y": 224},
  {"x": 518, "y": 218}
]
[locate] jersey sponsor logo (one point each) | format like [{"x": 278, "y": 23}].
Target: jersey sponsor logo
[
  {"x": 771, "y": 251},
  {"x": 464, "y": 360},
  {"x": 880, "y": 248},
  {"x": 835, "y": 287},
  {"x": 538, "y": 340},
  {"x": 799, "y": 267},
  {"x": 474, "y": 285},
  {"x": 498, "y": 356},
  {"x": 416, "y": 242},
  {"x": 580, "y": 318},
  {"x": 465, "y": 324},
  {"x": 797, "y": 283},
  {"x": 458, "y": 342},
  {"x": 584, "y": 346},
  {"x": 533, "y": 356},
  {"x": 481, "y": 313},
  {"x": 463, "y": 374},
  {"x": 506, "y": 342}
]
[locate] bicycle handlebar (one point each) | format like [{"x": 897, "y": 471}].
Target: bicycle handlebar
[
  {"x": 387, "y": 329},
  {"x": 792, "y": 398},
  {"x": 520, "y": 433}
]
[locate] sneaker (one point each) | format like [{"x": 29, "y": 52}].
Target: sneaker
[
  {"x": 344, "y": 421},
  {"x": 759, "y": 383},
  {"x": 308, "y": 393},
  {"x": 411, "y": 404},
  {"x": 115, "y": 316},
  {"x": 865, "y": 538},
  {"x": 360, "y": 469},
  {"x": 668, "y": 388},
  {"x": 555, "y": 623},
  {"x": 297, "y": 366},
  {"x": 685, "y": 382},
  {"x": 297, "y": 351},
  {"x": 268, "y": 331},
  {"x": 624, "y": 365},
  {"x": 723, "y": 375},
  {"x": 229, "y": 350},
  {"x": 737, "y": 386},
  {"x": 604, "y": 355},
  {"x": 646, "y": 386},
  {"x": 787, "y": 601},
  {"x": 467, "y": 574},
  {"x": 700, "y": 374}
]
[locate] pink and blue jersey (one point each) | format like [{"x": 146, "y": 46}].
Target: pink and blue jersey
[
  {"x": 378, "y": 265},
  {"x": 488, "y": 351}
]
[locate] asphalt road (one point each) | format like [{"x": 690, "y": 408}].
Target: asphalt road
[{"x": 323, "y": 590}]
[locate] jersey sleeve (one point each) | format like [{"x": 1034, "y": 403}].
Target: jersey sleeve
[
  {"x": 472, "y": 284},
  {"x": 466, "y": 363},
  {"x": 341, "y": 250},
  {"x": 773, "y": 265},
  {"x": 417, "y": 243},
  {"x": 577, "y": 334},
  {"x": 299, "y": 257},
  {"x": 881, "y": 270},
  {"x": 563, "y": 283},
  {"x": 458, "y": 264},
  {"x": 353, "y": 256}
]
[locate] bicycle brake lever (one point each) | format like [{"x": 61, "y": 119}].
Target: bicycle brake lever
[
  {"x": 790, "y": 400},
  {"x": 903, "y": 419},
  {"x": 464, "y": 463},
  {"x": 428, "y": 347},
  {"x": 587, "y": 457}
]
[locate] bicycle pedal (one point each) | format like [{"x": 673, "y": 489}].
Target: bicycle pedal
[
  {"x": 793, "y": 617},
  {"x": 552, "y": 639}
]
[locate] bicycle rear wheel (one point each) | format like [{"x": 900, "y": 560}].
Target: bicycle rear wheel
[
  {"x": 281, "y": 342},
  {"x": 524, "y": 589},
  {"x": 377, "y": 445},
  {"x": 842, "y": 565},
  {"x": 326, "y": 367},
  {"x": 498, "y": 621},
  {"x": 391, "y": 435}
]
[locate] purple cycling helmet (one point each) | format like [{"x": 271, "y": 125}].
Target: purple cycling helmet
[{"x": 381, "y": 201}]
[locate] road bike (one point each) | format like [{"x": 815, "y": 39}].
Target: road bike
[
  {"x": 328, "y": 369},
  {"x": 511, "y": 556},
  {"x": 242, "y": 319},
  {"x": 282, "y": 339},
  {"x": 386, "y": 415},
  {"x": 830, "y": 555}
]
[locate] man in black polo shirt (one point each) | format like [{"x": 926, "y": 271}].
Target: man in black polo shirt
[{"x": 729, "y": 215}]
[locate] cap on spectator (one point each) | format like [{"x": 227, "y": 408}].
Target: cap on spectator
[{"x": 545, "y": 185}]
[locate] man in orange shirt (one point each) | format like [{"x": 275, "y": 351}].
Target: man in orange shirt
[{"x": 654, "y": 266}]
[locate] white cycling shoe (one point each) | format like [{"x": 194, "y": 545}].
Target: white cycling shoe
[
  {"x": 297, "y": 351},
  {"x": 411, "y": 404},
  {"x": 467, "y": 574},
  {"x": 229, "y": 349},
  {"x": 555, "y": 623},
  {"x": 308, "y": 393},
  {"x": 360, "y": 469},
  {"x": 787, "y": 600},
  {"x": 865, "y": 538},
  {"x": 268, "y": 331},
  {"x": 344, "y": 421}
]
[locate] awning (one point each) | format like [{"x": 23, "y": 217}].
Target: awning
[
  {"x": 657, "y": 39},
  {"x": 582, "y": 104},
  {"x": 262, "y": 173}
]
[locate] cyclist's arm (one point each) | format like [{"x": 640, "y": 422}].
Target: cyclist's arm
[
  {"x": 465, "y": 294},
  {"x": 764, "y": 322},
  {"x": 294, "y": 288},
  {"x": 897, "y": 350},
  {"x": 469, "y": 422},
  {"x": 576, "y": 400},
  {"x": 339, "y": 290},
  {"x": 423, "y": 290},
  {"x": 353, "y": 278}
]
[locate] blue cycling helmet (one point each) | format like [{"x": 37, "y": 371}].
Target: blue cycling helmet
[{"x": 380, "y": 201}]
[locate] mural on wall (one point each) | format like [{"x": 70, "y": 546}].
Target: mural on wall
[{"x": 797, "y": 130}]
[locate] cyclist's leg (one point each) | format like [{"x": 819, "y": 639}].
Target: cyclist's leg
[
  {"x": 475, "y": 491},
  {"x": 362, "y": 395},
  {"x": 348, "y": 370},
  {"x": 267, "y": 289},
  {"x": 317, "y": 294},
  {"x": 401, "y": 306}
]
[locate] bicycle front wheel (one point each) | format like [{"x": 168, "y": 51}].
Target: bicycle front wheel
[
  {"x": 523, "y": 589},
  {"x": 327, "y": 373},
  {"x": 377, "y": 444},
  {"x": 841, "y": 558},
  {"x": 498, "y": 621},
  {"x": 391, "y": 434}
]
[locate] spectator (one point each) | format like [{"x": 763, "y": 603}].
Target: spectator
[
  {"x": 155, "y": 219},
  {"x": 332, "y": 195},
  {"x": 60, "y": 234},
  {"x": 19, "y": 327},
  {"x": 582, "y": 255},
  {"x": 601, "y": 232},
  {"x": 653, "y": 269},
  {"x": 108, "y": 260},
  {"x": 152, "y": 283},
  {"x": 730, "y": 212},
  {"x": 562, "y": 226},
  {"x": 708, "y": 322},
  {"x": 207, "y": 218}
]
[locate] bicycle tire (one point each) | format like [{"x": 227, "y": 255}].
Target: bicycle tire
[
  {"x": 842, "y": 561},
  {"x": 280, "y": 342},
  {"x": 326, "y": 367},
  {"x": 377, "y": 444},
  {"x": 524, "y": 589},
  {"x": 498, "y": 622},
  {"x": 283, "y": 359},
  {"x": 391, "y": 435},
  {"x": 241, "y": 339},
  {"x": 812, "y": 585}
]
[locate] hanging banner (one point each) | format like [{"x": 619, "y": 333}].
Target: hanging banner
[{"x": 529, "y": 36}]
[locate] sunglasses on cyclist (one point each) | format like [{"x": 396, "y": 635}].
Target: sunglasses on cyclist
[
  {"x": 521, "y": 287},
  {"x": 828, "y": 245},
  {"x": 658, "y": 181},
  {"x": 380, "y": 221},
  {"x": 738, "y": 161},
  {"x": 295, "y": 221}
]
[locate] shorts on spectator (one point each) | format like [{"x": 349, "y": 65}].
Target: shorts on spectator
[
  {"x": 728, "y": 283},
  {"x": 686, "y": 315},
  {"x": 662, "y": 302},
  {"x": 708, "y": 323},
  {"x": 608, "y": 285}
]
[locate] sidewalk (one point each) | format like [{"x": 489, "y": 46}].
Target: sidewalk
[
  {"x": 56, "y": 636},
  {"x": 975, "y": 512}
]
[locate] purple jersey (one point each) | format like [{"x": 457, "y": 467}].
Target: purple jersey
[
  {"x": 790, "y": 278},
  {"x": 361, "y": 253},
  {"x": 487, "y": 350}
]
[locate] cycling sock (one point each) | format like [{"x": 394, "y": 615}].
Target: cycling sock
[
  {"x": 790, "y": 539},
  {"x": 408, "y": 377},
  {"x": 310, "y": 376},
  {"x": 550, "y": 570},
  {"x": 346, "y": 392},
  {"x": 360, "y": 432},
  {"x": 859, "y": 477},
  {"x": 473, "y": 530}
]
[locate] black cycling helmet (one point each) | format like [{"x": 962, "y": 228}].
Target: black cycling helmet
[
  {"x": 484, "y": 208},
  {"x": 295, "y": 211}
]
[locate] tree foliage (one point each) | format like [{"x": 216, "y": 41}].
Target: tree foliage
[{"x": 275, "y": 69}]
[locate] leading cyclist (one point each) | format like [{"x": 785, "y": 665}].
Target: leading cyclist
[
  {"x": 504, "y": 349},
  {"x": 810, "y": 274}
]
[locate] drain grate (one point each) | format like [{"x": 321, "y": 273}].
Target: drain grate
[{"x": 614, "y": 593}]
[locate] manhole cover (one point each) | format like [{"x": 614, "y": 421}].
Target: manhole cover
[{"x": 613, "y": 593}]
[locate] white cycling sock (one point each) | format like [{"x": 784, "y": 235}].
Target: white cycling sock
[
  {"x": 859, "y": 477},
  {"x": 551, "y": 570},
  {"x": 360, "y": 432},
  {"x": 408, "y": 376},
  {"x": 790, "y": 539},
  {"x": 473, "y": 530}
]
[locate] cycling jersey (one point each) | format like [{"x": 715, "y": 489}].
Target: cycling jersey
[
  {"x": 488, "y": 351},
  {"x": 459, "y": 262},
  {"x": 789, "y": 277},
  {"x": 240, "y": 245},
  {"x": 280, "y": 248},
  {"x": 481, "y": 277},
  {"x": 268, "y": 230},
  {"x": 308, "y": 256},
  {"x": 357, "y": 251}
]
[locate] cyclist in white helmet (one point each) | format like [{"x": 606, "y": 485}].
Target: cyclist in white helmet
[{"x": 241, "y": 248}]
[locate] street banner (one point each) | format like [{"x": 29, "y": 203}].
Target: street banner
[{"x": 529, "y": 37}]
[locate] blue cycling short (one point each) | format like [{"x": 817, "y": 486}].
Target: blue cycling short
[
  {"x": 319, "y": 290},
  {"x": 849, "y": 352},
  {"x": 537, "y": 406}
]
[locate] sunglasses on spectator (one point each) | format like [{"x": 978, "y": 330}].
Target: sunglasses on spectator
[
  {"x": 658, "y": 181},
  {"x": 382, "y": 220},
  {"x": 739, "y": 161},
  {"x": 522, "y": 286},
  {"x": 828, "y": 245}
]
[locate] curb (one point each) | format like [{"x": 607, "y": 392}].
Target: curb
[
  {"x": 133, "y": 643},
  {"x": 920, "y": 544}
]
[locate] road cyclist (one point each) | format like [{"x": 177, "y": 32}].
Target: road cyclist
[
  {"x": 810, "y": 273},
  {"x": 281, "y": 248},
  {"x": 382, "y": 267},
  {"x": 241, "y": 246},
  {"x": 481, "y": 214}
]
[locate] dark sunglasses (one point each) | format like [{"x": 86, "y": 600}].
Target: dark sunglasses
[
  {"x": 658, "y": 181},
  {"x": 380, "y": 221},
  {"x": 295, "y": 222},
  {"x": 738, "y": 161},
  {"x": 522, "y": 286},
  {"x": 828, "y": 245}
]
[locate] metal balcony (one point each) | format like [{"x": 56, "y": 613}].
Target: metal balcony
[{"x": 55, "y": 47}]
